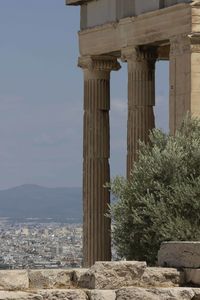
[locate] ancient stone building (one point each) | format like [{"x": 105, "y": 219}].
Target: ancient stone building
[{"x": 136, "y": 32}]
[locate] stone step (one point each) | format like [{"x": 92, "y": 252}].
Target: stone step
[
  {"x": 53, "y": 294},
  {"x": 12, "y": 280},
  {"x": 113, "y": 275},
  {"x": 158, "y": 294},
  {"x": 50, "y": 278},
  {"x": 103, "y": 275},
  {"x": 62, "y": 294},
  {"x": 135, "y": 293},
  {"x": 83, "y": 278},
  {"x": 5, "y": 295}
]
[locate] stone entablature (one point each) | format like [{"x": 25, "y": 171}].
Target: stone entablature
[
  {"x": 156, "y": 27},
  {"x": 99, "y": 12}
]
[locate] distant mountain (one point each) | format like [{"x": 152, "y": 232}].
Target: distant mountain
[{"x": 34, "y": 201}]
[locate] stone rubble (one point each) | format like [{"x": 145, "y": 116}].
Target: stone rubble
[{"x": 122, "y": 280}]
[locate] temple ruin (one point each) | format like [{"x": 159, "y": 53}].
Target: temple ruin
[{"x": 136, "y": 32}]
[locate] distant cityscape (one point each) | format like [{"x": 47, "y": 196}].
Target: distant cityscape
[
  {"x": 41, "y": 228},
  {"x": 35, "y": 244}
]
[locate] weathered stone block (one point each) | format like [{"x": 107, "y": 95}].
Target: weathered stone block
[
  {"x": 179, "y": 254},
  {"x": 112, "y": 275},
  {"x": 78, "y": 276},
  {"x": 155, "y": 294},
  {"x": 63, "y": 294},
  {"x": 49, "y": 279},
  {"x": 161, "y": 277},
  {"x": 19, "y": 296},
  {"x": 197, "y": 294},
  {"x": 192, "y": 276},
  {"x": 103, "y": 276},
  {"x": 101, "y": 295},
  {"x": 14, "y": 280}
]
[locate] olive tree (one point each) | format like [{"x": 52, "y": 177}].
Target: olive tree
[{"x": 161, "y": 199}]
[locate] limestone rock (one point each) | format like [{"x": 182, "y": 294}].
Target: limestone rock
[
  {"x": 192, "y": 276},
  {"x": 161, "y": 277},
  {"x": 197, "y": 294},
  {"x": 14, "y": 280},
  {"x": 112, "y": 275},
  {"x": 48, "y": 279},
  {"x": 78, "y": 276},
  {"x": 179, "y": 254},
  {"x": 155, "y": 294},
  {"x": 56, "y": 294},
  {"x": 101, "y": 295},
  {"x": 19, "y": 296}
]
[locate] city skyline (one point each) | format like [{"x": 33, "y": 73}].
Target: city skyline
[{"x": 41, "y": 97}]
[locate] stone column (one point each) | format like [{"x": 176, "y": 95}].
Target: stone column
[
  {"x": 96, "y": 153},
  {"x": 141, "y": 98},
  {"x": 184, "y": 78}
]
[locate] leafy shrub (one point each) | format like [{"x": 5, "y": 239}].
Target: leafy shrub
[{"x": 161, "y": 199}]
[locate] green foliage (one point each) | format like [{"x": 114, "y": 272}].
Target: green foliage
[{"x": 161, "y": 200}]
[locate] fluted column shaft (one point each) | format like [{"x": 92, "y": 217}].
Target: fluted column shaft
[
  {"x": 96, "y": 153},
  {"x": 141, "y": 99}
]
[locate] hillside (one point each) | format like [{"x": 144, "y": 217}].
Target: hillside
[{"x": 33, "y": 201}]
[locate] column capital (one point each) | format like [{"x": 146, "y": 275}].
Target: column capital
[
  {"x": 185, "y": 43},
  {"x": 104, "y": 63},
  {"x": 195, "y": 41},
  {"x": 129, "y": 53},
  {"x": 139, "y": 53},
  {"x": 195, "y": 3},
  {"x": 179, "y": 44}
]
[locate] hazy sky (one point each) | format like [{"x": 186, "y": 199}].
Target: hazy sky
[{"x": 41, "y": 96}]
